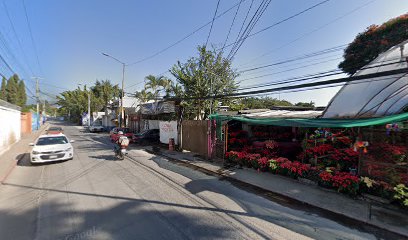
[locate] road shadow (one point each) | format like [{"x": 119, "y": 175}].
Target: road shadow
[
  {"x": 24, "y": 161},
  {"x": 271, "y": 207},
  {"x": 128, "y": 218},
  {"x": 106, "y": 157}
]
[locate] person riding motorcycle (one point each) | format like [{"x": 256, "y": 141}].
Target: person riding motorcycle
[{"x": 121, "y": 142}]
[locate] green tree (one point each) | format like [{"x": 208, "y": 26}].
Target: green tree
[
  {"x": 3, "y": 89},
  {"x": 373, "y": 41},
  {"x": 155, "y": 85},
  {"x": 22, "y": 96},
  {"x": 104, "y": 91},
  {"x": 143, "y": 95},
  {"x": 209, "y": 74},
  {"x": 12, "y": 89},
  {"x": 305, "y": 104},
  {"x": 74, "y": 102},
  {"x": 261, "y": 103}
]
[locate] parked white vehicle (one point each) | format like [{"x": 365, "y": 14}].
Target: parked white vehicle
[
  {"x": 50, "y": 148},
  {"x": 96, "y": 128}
]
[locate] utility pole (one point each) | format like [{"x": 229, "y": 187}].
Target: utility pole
[
  {"x": 122, "y": 114},
  {"x": 121, "y": 123},
  {"x": 37, "y": 95},
  {"x": 89, "y": 109},
  {"x": 89, "y": 105},
  {"x": 43, "y": 111}
]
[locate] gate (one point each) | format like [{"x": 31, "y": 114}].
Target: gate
[{"x": 194, "y": 136}]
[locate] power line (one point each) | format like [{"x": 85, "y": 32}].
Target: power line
[
  {"x": 11, "y": 55},
  {"x": 212, "y": 23},
  {"x": 243, "y": 23},
  {"x": 313, "y": 31},
  {"x": 287, "y": 66},
  {"x": 6, "y": 63},
  {"x": 255, "y": 18},
  {"x": 133, "y": 85},
  {"x": 18, "y": 39},
  {"x": 32, "y": 38},
  {"x": 316, "y": 76},
  {"x": 232, "y": 24},
  {"x": 290, "y": 17},
  {"x": 304, "y": 85},
  {"x": 301, "y": 57},
  {"x": 291, "y": 69},
  {"x": 50, "y": 85},
  {"x": 280, "y": 22},
  {"x": 185, "y": 37}
]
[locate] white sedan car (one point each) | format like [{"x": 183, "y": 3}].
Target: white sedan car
[
  {"x": 49, "y": 148},
  {"x": 96, "y": 128}
]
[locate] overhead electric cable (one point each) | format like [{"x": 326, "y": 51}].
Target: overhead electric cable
[
  {"x": 280, "y": 22},
  {"x": 185, "y": 37},
  {"x": 232, "y": 24},
  {"x": 312, "y": 31},
  {"x": 291, "y": 69},
  {"x": 18, "y": 39},
  {"x": 315, "y": 76},
  {"x": 251, "y": 24},
  {"x": 309, "y": 55},
  {"x": 32, "y": 38},
  {"x": 212, "y": 23}
]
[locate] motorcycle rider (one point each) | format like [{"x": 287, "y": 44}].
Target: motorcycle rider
[{"x": 121, "y": 141}]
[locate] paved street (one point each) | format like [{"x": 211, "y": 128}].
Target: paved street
[{"x": 145, "y": 197}]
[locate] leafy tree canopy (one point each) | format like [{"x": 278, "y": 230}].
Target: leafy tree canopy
[
  {"x": 3, "y": 89},
  {"x": 373, "y": 41},
  {"x": 209, "y": 74}
]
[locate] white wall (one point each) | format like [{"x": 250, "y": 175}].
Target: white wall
[
  {"x": 168, "y": 130},
  {"x": 10, "y": 127}
]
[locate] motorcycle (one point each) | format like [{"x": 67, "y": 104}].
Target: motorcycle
[{"x": 120, "y": 152}]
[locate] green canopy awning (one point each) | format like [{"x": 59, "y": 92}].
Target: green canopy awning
[{"x": 315, "y": 122}]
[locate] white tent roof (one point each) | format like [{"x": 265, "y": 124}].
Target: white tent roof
[
  {"x": 374, "y": 97},
  {"x": 284, "y": 114}
]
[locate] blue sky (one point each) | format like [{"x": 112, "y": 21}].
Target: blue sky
[{"x": 69, "y": 36}]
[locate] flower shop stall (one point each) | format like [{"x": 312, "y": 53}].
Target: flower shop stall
[{"x": 352, "y": 156}]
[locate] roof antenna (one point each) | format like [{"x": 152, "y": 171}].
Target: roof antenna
[{"x": 402, "y": 51}]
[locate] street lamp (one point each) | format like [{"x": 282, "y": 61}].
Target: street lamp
[
  {"x": 89, "y": 107},
  {"x": 123, "y": 82}
]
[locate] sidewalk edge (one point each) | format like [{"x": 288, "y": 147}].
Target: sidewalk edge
[
  {"x": 14, "y": 163},
  {"x": 328, "y": 211}
]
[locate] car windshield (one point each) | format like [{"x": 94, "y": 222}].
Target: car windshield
[
  {"x": 54, "y": 129},
  {"x": 52, "y": 140}
]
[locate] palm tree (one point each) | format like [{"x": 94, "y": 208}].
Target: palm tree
[
  {"x": 156, "y": 84},
  {"x": 143, "y": 95},
  {"x": 153, "y": 84},
  {"x": 105, "y": 91}
]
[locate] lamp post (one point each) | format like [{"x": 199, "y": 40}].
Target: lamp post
[
  {"x": 123, "y": 83},
  {"x": 89, "y": 107}
]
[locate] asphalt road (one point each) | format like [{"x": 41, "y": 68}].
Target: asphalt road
[{"x": 145, "y": 197}]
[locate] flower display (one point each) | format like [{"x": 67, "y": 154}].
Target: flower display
[
  {"x": 326, "y": 177},
  {"x": 367, "y": 181},
  {"x": 263, "y": 163},
  {"x": 271, "y": 144},
  {"x": 336, "y": 165},
  {"x": 401, "y": 194},
  {"x": 345, "y": 182}
]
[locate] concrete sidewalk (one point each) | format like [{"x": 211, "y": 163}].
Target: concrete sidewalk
[
  {"x": 378, "y": 215},
  {"x": 10, "y": 158}
]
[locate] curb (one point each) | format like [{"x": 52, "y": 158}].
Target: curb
[
  {"x": 284, "y": 199},
  {"x": 14, "y": 163}
]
